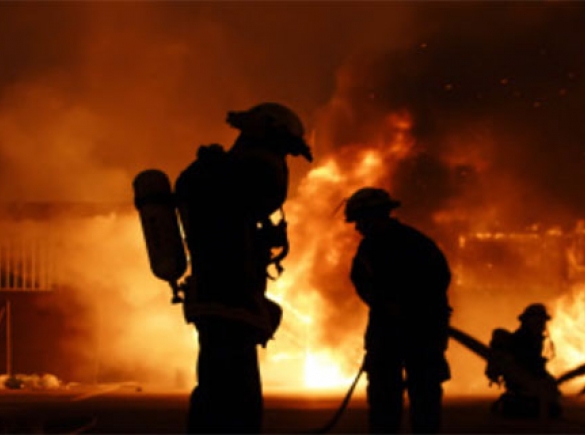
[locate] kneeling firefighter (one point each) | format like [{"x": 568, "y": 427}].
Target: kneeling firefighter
[
  {"x": 524, "y": 347},
  {"x": 225, "y": 199}
]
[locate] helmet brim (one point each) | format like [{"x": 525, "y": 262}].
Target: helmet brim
[{"x": 374, "y": 211}]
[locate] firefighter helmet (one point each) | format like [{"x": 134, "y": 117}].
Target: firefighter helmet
[
  {"x": 534, "y": 311},
  {"x": 367, "y": 201},
  {"x": 273, "y": 119}
]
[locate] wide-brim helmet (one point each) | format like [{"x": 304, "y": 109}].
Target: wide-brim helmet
[
  {"x": 369, "y": 201},
  {"x": 534, "y": 311},
  {"x": 273, "y": 120}
]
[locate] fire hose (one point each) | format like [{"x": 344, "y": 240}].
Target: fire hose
[
  {"x": 472, "y": 344},
  {"x": 343, "y": 406}
]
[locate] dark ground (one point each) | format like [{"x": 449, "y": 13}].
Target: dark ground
[{"x": 123, "y": 410}]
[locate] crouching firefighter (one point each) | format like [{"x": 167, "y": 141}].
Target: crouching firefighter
[
  {"x": 530, "y": 390},
  {"x": 225, "y": 200}
]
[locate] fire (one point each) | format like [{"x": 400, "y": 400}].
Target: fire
[
  {"x": 547, "y": 266},
  {"x": 320, "y": 340},
  {"x": 567, "y": 330},
  {"x": 567, "y": 326},
  {"x": 322, "y": 371},
  {"x": 319, "y": 346}
]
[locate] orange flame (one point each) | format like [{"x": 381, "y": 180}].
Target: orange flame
[
  {"x": 322, "y": 247},
  {"x": 567, "y": 331}
]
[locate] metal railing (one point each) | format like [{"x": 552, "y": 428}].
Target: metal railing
[{"x": 26, "y": 264}]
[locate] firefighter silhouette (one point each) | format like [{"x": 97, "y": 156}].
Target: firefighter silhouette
[
  {"x": 403, "y": 277},
  {"x": 524, "y": 347},
  {"x": 225, "y": 199}
]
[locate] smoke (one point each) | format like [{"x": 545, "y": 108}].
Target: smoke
[
  {"x": 109, "y": 89},
  {"x": 128, "y": 310},
  {"x": 495, "y": 112},
  {"x": 152, "y": 82}
]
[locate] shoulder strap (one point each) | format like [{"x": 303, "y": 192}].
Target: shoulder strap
[{"x": 277, "y": 237}]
